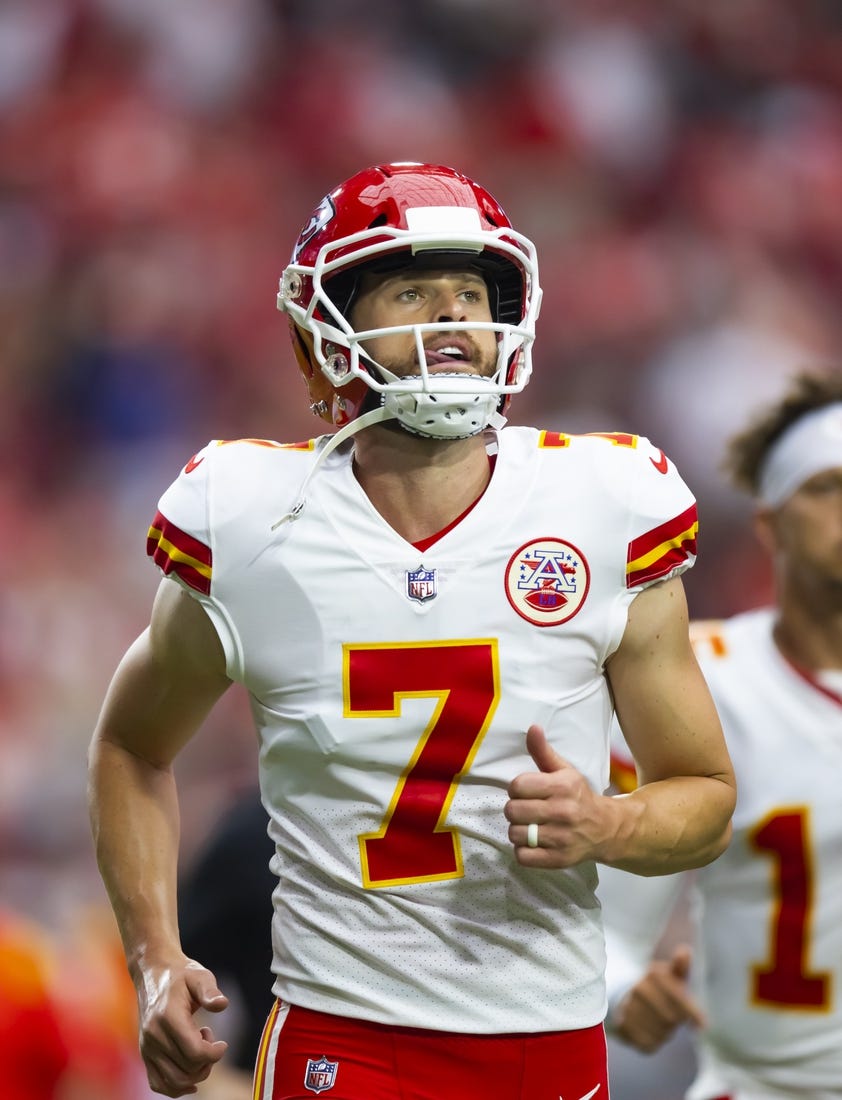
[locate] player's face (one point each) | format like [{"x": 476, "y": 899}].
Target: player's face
[
  {"x": 412, "y": 298},
  {"x": 808, "y": 527}
]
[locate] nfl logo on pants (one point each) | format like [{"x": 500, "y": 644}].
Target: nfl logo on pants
[{"x": 320, "y": 1074}]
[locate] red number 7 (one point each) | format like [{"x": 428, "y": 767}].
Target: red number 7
[{"x": 413, "y": 844}]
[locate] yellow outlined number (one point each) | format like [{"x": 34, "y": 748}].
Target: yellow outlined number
[
  {"x": 562, "y": 439},
  {"x": 785, "y": 978},
  {"x": 413, "y": 843}
]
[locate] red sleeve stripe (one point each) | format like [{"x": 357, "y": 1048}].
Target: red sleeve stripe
[
  {"x": 174, "y": 551},
  {"x": 660, "y": 550}
]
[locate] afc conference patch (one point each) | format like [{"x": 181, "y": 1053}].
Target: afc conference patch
[
  {"x": 547, "y": 581},
  {"x": 320, "y": 1074}
]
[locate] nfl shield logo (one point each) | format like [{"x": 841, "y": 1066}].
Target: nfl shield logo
[
  {"x": 320, "y": 1074},
  {"x": 421, "y": 584}
]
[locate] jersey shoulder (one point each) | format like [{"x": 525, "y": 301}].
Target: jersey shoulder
[
  {"x": 227, "y": 484},
  {"x": 618, "y": 458},
  {"x": 723, "y": 642},
  {"x": 640, "y": 492}
]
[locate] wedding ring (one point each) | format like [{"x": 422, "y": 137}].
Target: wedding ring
[{"x": 532, "y": 835}]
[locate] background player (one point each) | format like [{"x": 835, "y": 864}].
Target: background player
[
  {"x": 434, "y": 616},
  {"x": 765, "y": 989}
]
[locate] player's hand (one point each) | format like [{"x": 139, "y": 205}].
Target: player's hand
[
  {"x": 573, "y": 821},
  {"x": 177, "y": 1051},
  {"x": 655, "y": 1006}
]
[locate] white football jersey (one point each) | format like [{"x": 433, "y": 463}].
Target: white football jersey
[
  {"x": 768, "y": 912},
  {"x": 392, "y": 688}
]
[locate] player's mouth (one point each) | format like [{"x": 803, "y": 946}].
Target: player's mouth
[{"x": 456, "y": 353}]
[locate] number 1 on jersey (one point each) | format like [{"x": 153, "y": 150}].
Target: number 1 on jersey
[
  {"x": 413, "y": 844},
  {"x": 786, "y": 979}
]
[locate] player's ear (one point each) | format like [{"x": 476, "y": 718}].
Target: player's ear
[{"x": 764, "y": 528}]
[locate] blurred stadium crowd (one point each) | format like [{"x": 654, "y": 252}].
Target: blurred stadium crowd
[{"x": 679, "y": 167}]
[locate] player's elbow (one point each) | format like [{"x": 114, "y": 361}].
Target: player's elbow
[{"x": 717, "y": 835}]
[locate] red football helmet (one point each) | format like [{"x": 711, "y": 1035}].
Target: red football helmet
[{"x": 425, "y": 214}]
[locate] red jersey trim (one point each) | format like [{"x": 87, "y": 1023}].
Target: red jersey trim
[
  {"x": 425, "y": 544},
  {"x": 174, "y": 551},
  {"x": 659, "y": 551},
  {"x": 805, "y": 674}
]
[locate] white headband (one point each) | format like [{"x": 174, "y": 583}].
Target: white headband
[{"x": 809, "y": 446}]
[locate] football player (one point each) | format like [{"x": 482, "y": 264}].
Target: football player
[
  {"x": 435, "y": 617},
  {"x": 764, "y": 991}
]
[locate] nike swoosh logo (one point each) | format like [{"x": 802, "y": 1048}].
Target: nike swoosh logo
[
  {"x": 662, "y": 465},
  {"x": 587, "y": 1095},
  {"x": 193, "y": 463}
]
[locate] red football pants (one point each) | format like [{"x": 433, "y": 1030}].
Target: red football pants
[{"x": 304, "y": 1054}]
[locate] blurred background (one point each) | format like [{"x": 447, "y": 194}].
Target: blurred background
[{"x": 679, "y": 167}]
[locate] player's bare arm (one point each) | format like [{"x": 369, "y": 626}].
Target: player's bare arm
[
  {"x": 165, "y": 685},
  {"x": 679, "y": 817}
]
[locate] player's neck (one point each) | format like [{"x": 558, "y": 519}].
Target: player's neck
[
  {"x": 419, "y": 486},
  {"x": 810, "y": 637}
]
